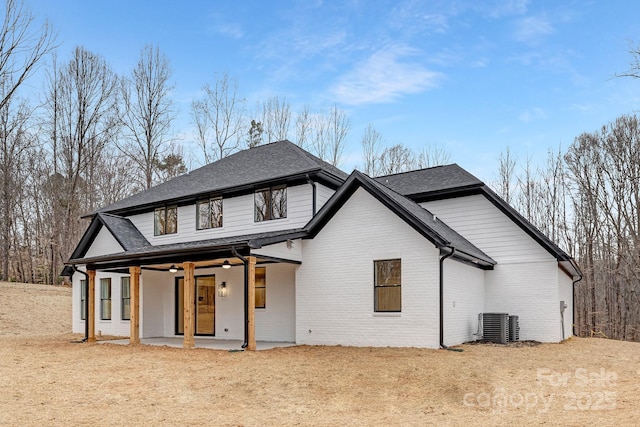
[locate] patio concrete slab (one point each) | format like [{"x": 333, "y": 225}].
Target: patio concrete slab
[{"x": 213, "y": 344}]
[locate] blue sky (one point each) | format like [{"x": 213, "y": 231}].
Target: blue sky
[{"x": 471, "y": 77}]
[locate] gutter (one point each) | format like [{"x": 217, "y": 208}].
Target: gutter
[
  {"x": 86, "y": 301},
  {"x": 442, "y": 258},
  {"x": 246, "y": 295}
]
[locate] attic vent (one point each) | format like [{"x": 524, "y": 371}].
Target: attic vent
[
  {"x": 514, "y": 328},
  {"x": 495, "y": 327}
]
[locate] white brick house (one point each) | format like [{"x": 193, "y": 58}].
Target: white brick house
[{"x": 274, "y": 244}]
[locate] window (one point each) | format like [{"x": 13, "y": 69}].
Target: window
[
  {"x": 261, "y": 287},
  {"x": 125, "y": 295},
  {"x": 83, "y": 299},
  {"x": 387, "y": 286},
  {"x": 105, "y": 299},
  {"x": 270, "y": 203},
  {"x": 209, "y": 213},
  {"x": 165, "y": 221}
]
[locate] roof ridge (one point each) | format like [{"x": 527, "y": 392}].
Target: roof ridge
[{"x": 416, "y": 170}]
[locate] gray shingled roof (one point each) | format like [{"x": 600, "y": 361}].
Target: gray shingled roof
[
  {"x": 147, "y": 252},
  {"x": 448, "y": 181},
  {"x": 124, "y": 231},
  {"x": 260, "y": 164},
  {"x": 431, "y": 221},
  {"x": 430, "y": 180},
  {"x": 418, "y": 217}
]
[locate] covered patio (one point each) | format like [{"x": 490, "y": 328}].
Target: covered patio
[{"x": 139, "y": 256}]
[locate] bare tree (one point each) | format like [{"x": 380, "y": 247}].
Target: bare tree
[
  {"x": 22, "y": 46},
  {"x": 219, "y": 118},
  {"x": 396, "y": 159},
  {"x": 634, "y": 66},
  {"x": 506, "y": 166},
  {"x": 430, "y": 156},
  {"x": 339, "y": 127},
  {"x": 303, "y": 125},
  {"x": 15, "y": 143},
  {"x": 324, "y": 134},
  {"x": 371, "y": 140},
  {"x": 148, "y": 113},
  {"x": 84, "y": 96},
  {"x": 276, "y": 119}
]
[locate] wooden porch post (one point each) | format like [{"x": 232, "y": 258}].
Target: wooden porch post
[
  {"x": 251, "y": 338},
  {"x": 134, "y": 305},
  {"x": 91, "y": 314},
  {"x": 189, "y": 299}
]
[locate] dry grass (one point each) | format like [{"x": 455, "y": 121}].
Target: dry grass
[{"x": 47, "y": 380}]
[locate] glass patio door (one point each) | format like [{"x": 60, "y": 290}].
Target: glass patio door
[{"x": 204, "y": 304}]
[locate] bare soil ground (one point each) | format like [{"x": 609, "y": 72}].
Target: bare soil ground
[{"x": 47, "y": 380}]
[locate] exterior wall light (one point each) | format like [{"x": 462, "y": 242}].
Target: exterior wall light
[
  {"x": 226, "y": 264},
  {"x": 222, "y": 290},
  {"x": 173, "y": 269}
]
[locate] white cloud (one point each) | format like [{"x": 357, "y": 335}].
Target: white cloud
[
  {"x": 480, "y": 63},
  {"x": 415, "y": 16},
  {"x": 533, "y": 114},
  {"x": 531, "y": 29},
  {"x": 502, "y": 8},
  {"x": 384, "y": 77},
  {"x": 230, "y": 29}
]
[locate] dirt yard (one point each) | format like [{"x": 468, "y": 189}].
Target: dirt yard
[{"x": 45, "y": 379}]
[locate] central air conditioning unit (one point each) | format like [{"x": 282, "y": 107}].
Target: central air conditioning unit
[
  {"x": 495, "y": 327},
  {"x": 514, "y": 328}
]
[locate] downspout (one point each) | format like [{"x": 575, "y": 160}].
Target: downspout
[
  {"x": 442, "y": 258},
  {"x": 86, "y": 301},
  {"x": 573, "y": 301},
  {"x": 313, "y": 195},
  {"x": 246, "y": 295}
]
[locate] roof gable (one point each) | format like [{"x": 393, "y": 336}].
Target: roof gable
[
  {"x": 122, "y": 230},
  {"x": 241, "y": 171},
  {"x": 442, "y": 182},
  {"x": 423, "y": 221}
]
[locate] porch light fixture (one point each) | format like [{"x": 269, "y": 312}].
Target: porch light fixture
[
  {"x": 226, "y": 264},
  {"x": 222, "y": 289},
  {"x": 173, "y": 269}
]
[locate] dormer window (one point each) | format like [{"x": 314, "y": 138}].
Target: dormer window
[
  {"x": 270, "y": 203},
  {"x": 209, "y": 213},
  {"x": 165, "y": 221}
]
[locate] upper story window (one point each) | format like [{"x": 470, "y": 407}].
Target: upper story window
[
  {"x": 165, "y": 221},
  {"x": 209, "y": 213},
  {"x": 270, "y": 203}
]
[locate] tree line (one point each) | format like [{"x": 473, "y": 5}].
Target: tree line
[{"x": 92, "y": 137}]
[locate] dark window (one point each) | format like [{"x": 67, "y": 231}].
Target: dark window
[
  {"x": 270, "y": 203},
  {"x": 261, "y": 287},
  {"x": 83, "y": 299},
  {"x": 209, "y": 213},
  {"x": 125, "y": 295},
  {"x": 105, "y": 299},
  {"x": 165, "y": 221},
  {"x": 388, "y": 285}
]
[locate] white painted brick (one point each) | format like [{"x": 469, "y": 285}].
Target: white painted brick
[{"x": 334, "y": 284}]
